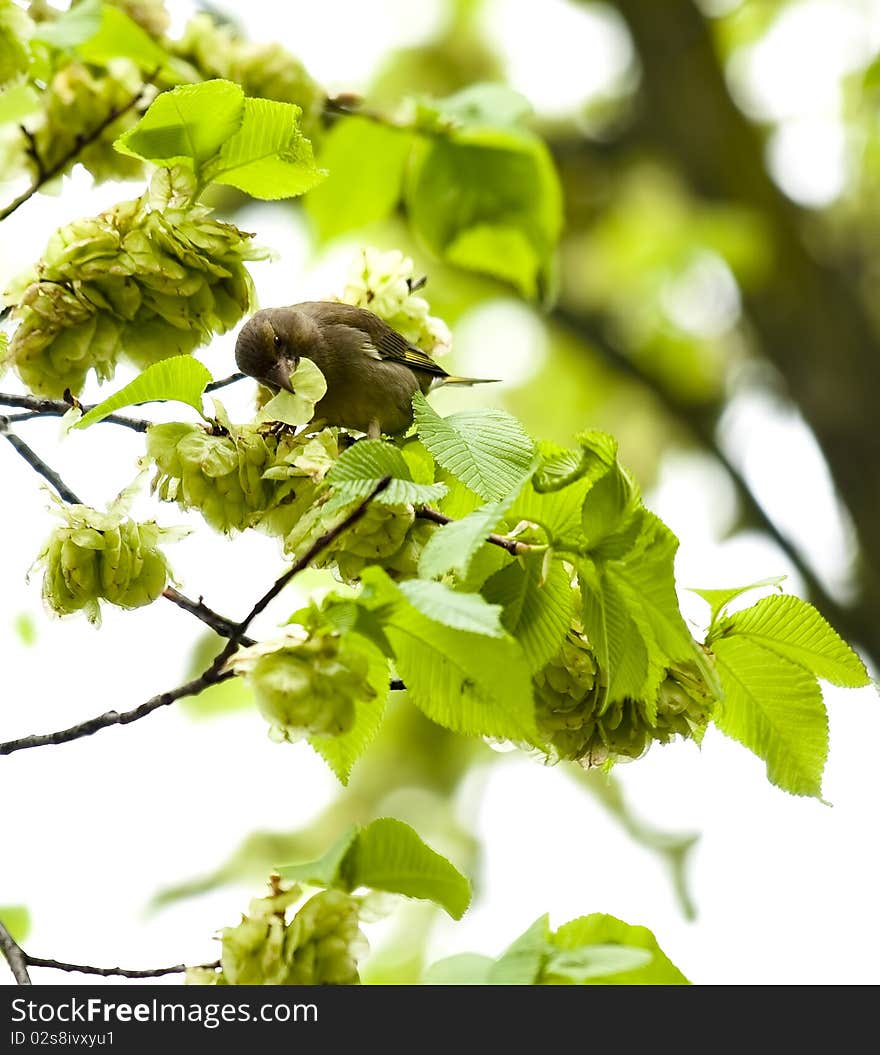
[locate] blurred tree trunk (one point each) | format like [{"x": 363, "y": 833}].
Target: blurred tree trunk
[{"x": 807, "y": 321}]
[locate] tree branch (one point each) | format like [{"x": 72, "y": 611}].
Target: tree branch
[
  {"x": 15, "y": 957},
  {"x": 220, "y": 624},
  {"x": 512, "y": 545},
  {"x": 109, "y": 972},
  {"x": 37, "y": 463},
  {"x": 57, "y": 408},
  {"x": 214, "y": 673},
  {"x": 224, "y": 381},
  {"x": 44, "y": 174}
]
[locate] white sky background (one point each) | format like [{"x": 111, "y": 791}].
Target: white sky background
[{"x": 785, "y": 887}]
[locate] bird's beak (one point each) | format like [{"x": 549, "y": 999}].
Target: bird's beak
[{"x": 281, "y": 373}]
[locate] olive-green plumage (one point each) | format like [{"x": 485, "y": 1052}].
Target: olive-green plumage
[{"x": 372, "y": 372}]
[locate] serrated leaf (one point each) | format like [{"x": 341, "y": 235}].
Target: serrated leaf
[
  {"x": 118, "y": 36},
  {"x": 377, "y": 154},
  {"x": 470, "y": 683},
  {"x": 557, "y": 513},
  {"x": 267, "y": 156},
  {"x": 561, "y": 467},
  {"x": 341, "y": 752},
  {"x": 718, "y": 600},
  {"x": 297, "y": 407},
  {"x": 794, "y": 629},
  {"x": 461, "y": 611},
  {"x": 186, "y": 125},
  {"x": 522, "y": 960},
  {"x": 180, "y": 378},
  {"x": 17, "y": 920},
  {"x": 487, "y": 450},
  {"x": 453, "y": 546},
  {"x": 609, "y": 505},
  {"x": 537, "y": 612},
  {"x": 328, "y": 870},
  {"x": 775, "y": 709},
  {"x": 360, "y": 468},
  {"x": 389, "y": 855},
  {"x": 467, "y": 968},
  {"x": 598, "y": 932}
]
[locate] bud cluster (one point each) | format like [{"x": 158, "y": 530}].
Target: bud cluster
[{"x": 148, "y": 279}]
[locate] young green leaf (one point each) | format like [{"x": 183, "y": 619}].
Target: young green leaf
[
  {"x": 75, "y": 25},
  {"x": 488, "y": 200},
  {"x": 341, "y": 752},
  {"x": 361, "y": 467},
  {"x": 718, "y": 600},
  {"x": 487, "y": 450},
  {"x": 537, "y": 610},
  {"x": 522, "y": 961},
  {"x": 266, "y": 156},
  {"x": 484, "y": 104},
  {"x": 118, "y": 36},
  {"x": 794, "y": 629},
  {"x": 17, "y": 102},
  {"x": 775, "y": 709},
  {"x": 453, "y": 546},
  {"x": 389, "y": 855},
  {"x": 587, "y": 942},
  {"x": 467, "y": 968},
  {"x": 460, "y": 611},
  {"x": 186, "y": 125},
  {"x": 471, "y": 683},
  {"x": 378, "y": 154},
  {"x": 326, "y": 871},
  {"x": 561, "y": 467},
  {"x": 180, "y": 378}
]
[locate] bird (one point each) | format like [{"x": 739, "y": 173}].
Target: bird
[{"x": 372, "y": 371}]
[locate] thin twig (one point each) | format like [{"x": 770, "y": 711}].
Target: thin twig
[
  {"x": 37, "y": 463},
  {"x": 224, "y": 381},
  {"x": 57, "y": 408},
  {"x": 15, "y": 957},
  {"x": 512, "y": 545},
  {"x": 109, "y": 972},
  {"x": 215, "y": 672},
  {"x": 44, "y": 174},
  {"x": 220, "y": 624}
]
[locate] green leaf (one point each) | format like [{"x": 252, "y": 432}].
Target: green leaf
[
  {"x": 180, "y": 378},
  {"x": 361, "y": 467},
  {"x": 794, "y": 629},
  {"x": 486, "y": 104},
  {"x": 298, "y": 407},
  {"x": 598, "y": 932},
  {"x": 460, "y": 611},
  {"x": 377, "y": 155},
  {"x": 561, "y": 467},
  {"x": 17, "y": 102},
  {"x": 609, "y": 506},
  {"x": 557, "y": 513},
  {"x": 267, "y": 156},
  {"x": 775, "y": 709},
  {"x": 453, "y": 546},
  {"x": 718, "y": 600},
  {"x": 467, "y": 968},
  {"x": 186, "y": 125},
  {"x": 593, "y": 962},
  {"x": 17, "y": 920},
  {"x": 537, "y": 611},
  {"x": 326, "y": 871},
  {"x": 75, "y": 25},
  {"x": 521, "y": 962},
  {"x": 467, "y": 682},
  {"x": 488, "y": 199},
  {"x": 389, "y": 855},
  {"x": 118, "y": 36},
  {"x": 487, "y": 450},
  {"x": 341, "y": 752}
]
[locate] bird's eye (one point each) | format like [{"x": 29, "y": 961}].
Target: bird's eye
[{"x": 276, "y": 340}]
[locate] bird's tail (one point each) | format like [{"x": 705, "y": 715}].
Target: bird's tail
[{"x": 452, "y": 380}]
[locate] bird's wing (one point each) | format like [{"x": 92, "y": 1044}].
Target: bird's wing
[{"x": 378, "y": 335}]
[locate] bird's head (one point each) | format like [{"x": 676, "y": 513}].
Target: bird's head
[{"x": 272, "y": 342}]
